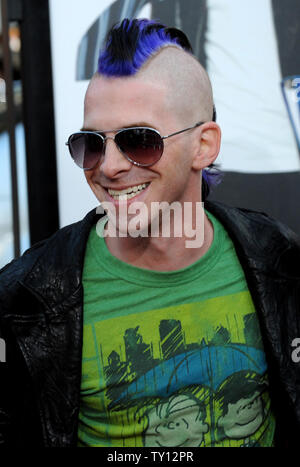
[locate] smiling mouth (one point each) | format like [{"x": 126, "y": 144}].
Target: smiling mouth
[
  {"x": 250, "y": 421},
  {"x": 128, "y": 193}
]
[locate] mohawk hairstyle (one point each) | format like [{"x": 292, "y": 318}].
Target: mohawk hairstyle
[{"x": 131, "y": 43}]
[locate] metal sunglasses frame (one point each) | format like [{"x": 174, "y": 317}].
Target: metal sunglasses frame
[{"x": 120, "y": 130}]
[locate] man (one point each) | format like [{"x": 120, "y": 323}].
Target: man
[
  {"x": 115, "y": 316},
  {"x": 247, "y": 82}
]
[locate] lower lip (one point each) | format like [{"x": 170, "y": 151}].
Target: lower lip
[{"x": 138, "y": 197}]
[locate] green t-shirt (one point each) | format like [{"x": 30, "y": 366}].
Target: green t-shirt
[{"x": 172, "y": 358}]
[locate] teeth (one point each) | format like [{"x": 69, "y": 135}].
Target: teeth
[{"x": 128, "y": 193}]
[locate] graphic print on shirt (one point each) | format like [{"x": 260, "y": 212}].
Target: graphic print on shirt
[{"x": 185, "y": 376}]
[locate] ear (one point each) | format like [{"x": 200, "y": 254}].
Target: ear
[{"x": 208, "y": 145}]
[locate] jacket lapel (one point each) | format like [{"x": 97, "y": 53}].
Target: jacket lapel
[
  {"x": 50, "y": 338},
  {"x": 269, "y": 253}
]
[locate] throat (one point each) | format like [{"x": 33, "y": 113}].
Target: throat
[{"x": 159, "y": 254}]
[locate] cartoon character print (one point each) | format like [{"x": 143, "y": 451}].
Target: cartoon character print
[
  {"x": 242, "y": 406},
  {"x": 177, "y": 421},
  {"x": 207, "y": 394}
]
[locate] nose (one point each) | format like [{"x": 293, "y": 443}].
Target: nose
[{"x": 113, "y": 162}]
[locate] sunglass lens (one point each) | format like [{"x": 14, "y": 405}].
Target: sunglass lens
[
  {"x": 85, "y": 149},
  {"x": 141, "y": 145}
]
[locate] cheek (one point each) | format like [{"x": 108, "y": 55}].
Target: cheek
[
  {"x": 94, "y": 186},
  {"x": 90, "y": 177},
  {"x": 87, "y": 175},
  {"x": 175, "y": 164}
]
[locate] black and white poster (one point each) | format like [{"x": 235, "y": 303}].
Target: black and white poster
[{"x": 251, "y": 52}]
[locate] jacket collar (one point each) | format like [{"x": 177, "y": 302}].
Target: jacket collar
[
  {"x": 263, "y": 246},
  {"x": 57, "y": 273},
  {"x": 260, "y": 241}
]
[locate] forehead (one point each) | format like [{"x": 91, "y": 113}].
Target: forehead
[{"x": 116, "y": 102}]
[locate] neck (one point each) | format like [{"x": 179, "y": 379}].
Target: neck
[{"x": 165, "y": 253}]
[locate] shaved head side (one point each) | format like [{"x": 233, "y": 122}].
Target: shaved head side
[
  {"x": 189, "y": 95},
  {"x": 189, "y": 88},
  {"x": 148, "y": 50}
]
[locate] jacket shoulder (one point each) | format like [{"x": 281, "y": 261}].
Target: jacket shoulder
[
  {"x": 272, "y": 224},
  {"x": 259, "y": 237},
  {"x": 256, "y": 221},
  {"x": 19, "y": 267},
  {"x": 54, "y": 249}
]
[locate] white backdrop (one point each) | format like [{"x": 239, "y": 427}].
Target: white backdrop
[
  {"x": 69, "y": 22},
  {"x": 243, "y": 64}
]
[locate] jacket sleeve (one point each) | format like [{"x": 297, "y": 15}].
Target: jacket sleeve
[
  {"x": 12, "y": 376},
  {"x": 5, "y": 414}
]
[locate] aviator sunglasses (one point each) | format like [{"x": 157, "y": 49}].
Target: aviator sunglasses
[{"x": 141, "y": 146}]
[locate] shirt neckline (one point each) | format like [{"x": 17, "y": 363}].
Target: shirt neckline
[{"x": 150, "y": 278}]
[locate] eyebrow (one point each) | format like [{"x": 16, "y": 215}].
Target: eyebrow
[{"x": 133, "y": 125}]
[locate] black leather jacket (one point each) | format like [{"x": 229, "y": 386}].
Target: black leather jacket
[{"x": 41, "y": 310}]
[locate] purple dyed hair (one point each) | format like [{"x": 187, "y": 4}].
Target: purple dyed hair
[
  {"x": 132, "y": 42},
  {"x": 129, "y": 44}
]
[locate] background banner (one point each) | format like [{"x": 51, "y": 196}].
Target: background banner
[{"x": 250, "y": 51}]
